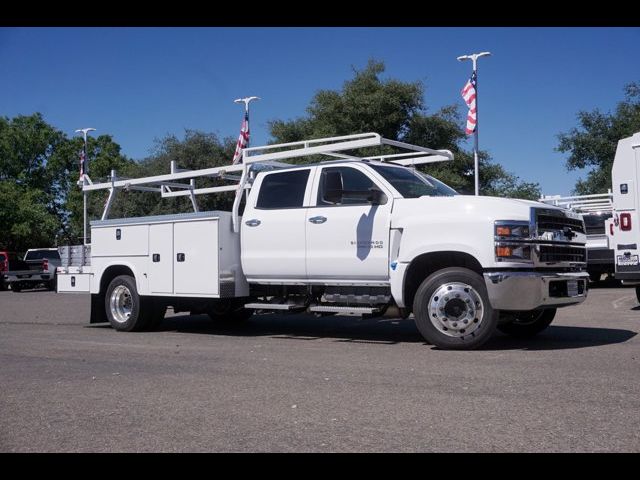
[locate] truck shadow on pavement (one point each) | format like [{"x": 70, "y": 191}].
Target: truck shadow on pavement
[{"x": 384, "y": 331}]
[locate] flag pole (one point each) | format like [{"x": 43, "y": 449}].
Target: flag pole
[
  {"x": 83, "y": 180},
  {"x": 474, "y": 58},
  {"x": 246, "y": 101}
]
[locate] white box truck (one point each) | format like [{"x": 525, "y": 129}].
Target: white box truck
[
  {"x": 355, "y": 235},
  {"x": 623, "y": 230}
]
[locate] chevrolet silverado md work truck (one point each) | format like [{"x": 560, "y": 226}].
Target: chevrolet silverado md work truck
[{"x": 355, "y": 235}]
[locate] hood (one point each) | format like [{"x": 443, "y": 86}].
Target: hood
[{"x": 475, "y": 209}]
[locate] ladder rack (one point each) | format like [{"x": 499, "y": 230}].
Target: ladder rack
[
  {"x": 254, "y": 159},
  {"x": 595, "y": 203}
]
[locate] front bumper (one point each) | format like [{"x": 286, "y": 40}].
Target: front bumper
[{"x": 513, "y": 290}]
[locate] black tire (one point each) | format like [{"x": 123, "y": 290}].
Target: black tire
[
  {"x": 228, "y": 311},
  {"x": 52, "y": 284},
  {"x": 16, "y": 287},
  {"x": 528, "y": 324},
  {"x": 460, "y": 327},
  {"x": 638, "y": 293},
  {"x": 122, "y": 296}
]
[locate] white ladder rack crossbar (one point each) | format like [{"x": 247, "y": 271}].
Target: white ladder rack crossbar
[
  {"x": 597, "y": 202},
  {"x": 168, "y": 185}
]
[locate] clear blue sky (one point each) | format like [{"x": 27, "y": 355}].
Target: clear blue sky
[{"x": 139, "y": 84}]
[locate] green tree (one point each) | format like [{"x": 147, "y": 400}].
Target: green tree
[
  {"x": 396, "y": 110},
  {"x": 592, "y": 145},
  {"x": 30, "y": 181},
  {"x": 40, "y": 202}
]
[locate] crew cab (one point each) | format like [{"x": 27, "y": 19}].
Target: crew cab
[{"x": 354, "y": 236}]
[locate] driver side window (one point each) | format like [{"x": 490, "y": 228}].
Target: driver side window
[{"x": 334, "y": 179}]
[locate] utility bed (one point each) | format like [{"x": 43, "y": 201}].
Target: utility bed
[{"x": 191, "y": 255}]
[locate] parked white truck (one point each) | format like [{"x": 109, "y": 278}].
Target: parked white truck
[
  {"x": 595, "y": 210},
  {"x": 353, "y": 236},
  {"x": 623, "y": 230}
]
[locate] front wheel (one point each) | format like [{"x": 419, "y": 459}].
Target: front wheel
[
  {"x": 527, "y": 324},
  {"x": 638, "y": 293},
  {"x": 452, "y": 309},
  {"x": 16, "y": 287}
]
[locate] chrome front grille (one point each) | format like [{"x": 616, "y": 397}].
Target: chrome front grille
[
  {"x": 560, "y": 235},
  {"x": 547, "y": 223}
]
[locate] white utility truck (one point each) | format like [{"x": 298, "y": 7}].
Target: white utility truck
[
  {"x": 595, "y": 210},
  {"x": 623, "y": 230},
  {"x": 352, "y": 236}
]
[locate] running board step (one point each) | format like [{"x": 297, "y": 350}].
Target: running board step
[
  {"x": 273, "y": 306},
  {"x": 344, "y": 310}
]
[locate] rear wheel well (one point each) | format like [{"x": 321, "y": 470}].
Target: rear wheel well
[
  {"x": 112, "y": 272},
  {"x": 424, "y": 265}
]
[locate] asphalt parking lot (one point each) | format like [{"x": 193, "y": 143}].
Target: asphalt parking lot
[{"x": 305, "y": 384}]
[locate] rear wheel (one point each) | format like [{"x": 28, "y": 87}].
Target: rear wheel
[
  {"x": 16, "y": 287},
  {"x": 452, "y": 309},
  {"x": 124, "y": 307},
  {"x": 528, "y": 324},
  {"x": 52, "y": 284}
]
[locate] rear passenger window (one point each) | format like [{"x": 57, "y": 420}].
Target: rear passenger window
[{"x": 283, "y": 190}]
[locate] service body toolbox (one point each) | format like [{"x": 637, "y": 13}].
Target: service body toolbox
[{"x": 190, "y": 255}]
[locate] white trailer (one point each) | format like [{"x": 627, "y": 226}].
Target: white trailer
[{"x": 357, "y": 235}]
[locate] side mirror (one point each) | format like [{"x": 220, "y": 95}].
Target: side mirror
[{"x": 376, "y": 197}]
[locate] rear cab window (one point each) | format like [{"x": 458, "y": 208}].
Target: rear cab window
[
  {"x": 283, "y": 190},
  {"x": 42, "y": 254}
]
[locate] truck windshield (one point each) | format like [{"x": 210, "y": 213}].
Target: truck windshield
[
  {"x": 42, "y": 254},
  {"x": 413, "y": 184}
]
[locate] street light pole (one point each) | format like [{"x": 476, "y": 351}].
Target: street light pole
[
  {"x": 83, "y": 179},
  {"x": 474, "y": 58}
]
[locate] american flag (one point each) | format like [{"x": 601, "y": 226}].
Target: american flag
[
  {"x": 469, "y": 95},
  {"x": 82, "y": 163},
  {"x": 243, "y": 139}
]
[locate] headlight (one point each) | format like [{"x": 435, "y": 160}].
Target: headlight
[
  {"x": 511, "y": 230},
  {"x": 510, "y": 238},
  {"x": 513, "y": 252}
]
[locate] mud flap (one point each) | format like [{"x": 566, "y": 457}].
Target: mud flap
[{"x": 98, "y": 314}]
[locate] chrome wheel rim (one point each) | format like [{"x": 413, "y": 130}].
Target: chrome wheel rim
[
  {"x": 121, "y": 304},
  {"x": 456, "y": 309}
]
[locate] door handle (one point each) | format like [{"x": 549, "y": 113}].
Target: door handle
[
  {"x": 180, "y": 257},
  {"x": 252, "y": 223},
  {"x": 318, "y": 219}
]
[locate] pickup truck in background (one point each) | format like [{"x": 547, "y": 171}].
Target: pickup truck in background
[
  {"x": 356, "y": 235},
  {"x": 37, "y": 268}
]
